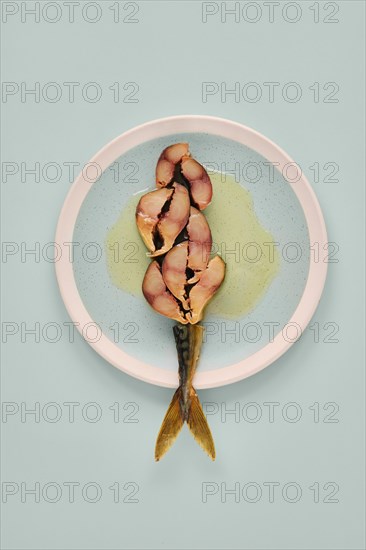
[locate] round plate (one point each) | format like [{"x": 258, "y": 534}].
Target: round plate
[{"x": 144, "y": 346}]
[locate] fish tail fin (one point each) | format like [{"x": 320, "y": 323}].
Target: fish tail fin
[
  {"x": 199, "y": 427},
  {"x": 174, "y": 419},
  {"x": 171, "y": 426}
]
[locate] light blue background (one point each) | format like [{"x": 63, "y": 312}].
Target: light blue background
[{"x": 169, "y": 53}]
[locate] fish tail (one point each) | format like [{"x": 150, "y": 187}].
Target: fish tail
[
  {"x": 179, "y": 411},
  {"x": 185, "y": 405},
  {"x": 171, "y": 426},
  {"x": 198, "y": 425}
]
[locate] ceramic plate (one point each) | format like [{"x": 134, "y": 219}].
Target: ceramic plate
[{"x": 115, "y": 319}]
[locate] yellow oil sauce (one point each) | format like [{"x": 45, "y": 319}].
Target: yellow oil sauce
[{"x": 252, "y": 260}]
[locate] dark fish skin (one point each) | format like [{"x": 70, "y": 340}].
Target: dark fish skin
[
  {"x": 188, "y": 341},
  {"x": 185, "y": 405}
]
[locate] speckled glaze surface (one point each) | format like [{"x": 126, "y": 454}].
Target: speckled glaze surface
[{"x": 234, "y": 348}]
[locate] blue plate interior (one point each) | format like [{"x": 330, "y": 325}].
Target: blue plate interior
[{"x": 144, "y": 334}]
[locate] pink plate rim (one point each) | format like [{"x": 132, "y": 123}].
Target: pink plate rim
[{"x": 161, "y": 128}]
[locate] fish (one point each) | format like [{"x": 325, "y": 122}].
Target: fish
[
  {"x": 181, "y": 278},
  {"x": 176, "y": 160},
  {"x": 160, "y": 216},
  {"x": 185, "y": 405},
  {"x": 158, "y": 296}
]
